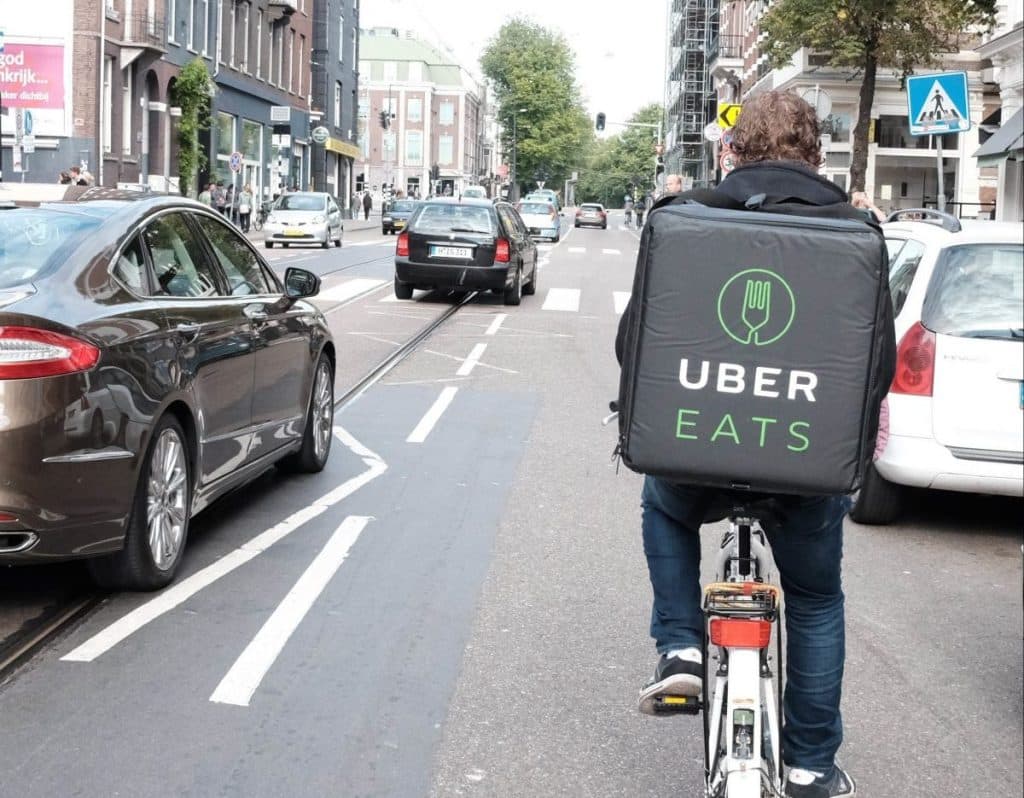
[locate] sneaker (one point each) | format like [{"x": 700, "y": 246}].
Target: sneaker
[
  {"x": 678, "y": 673},
  {"x": 808, "y": 784}
]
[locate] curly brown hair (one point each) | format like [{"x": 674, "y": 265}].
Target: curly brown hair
[{"x": 777, "y": 126}]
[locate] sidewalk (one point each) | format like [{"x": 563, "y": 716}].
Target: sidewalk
[{"x": 351, "y": 226}]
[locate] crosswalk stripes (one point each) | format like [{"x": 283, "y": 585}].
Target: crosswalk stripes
[
  {"x": 620, "y": 298},
  {"x": 567, "y": 299}
]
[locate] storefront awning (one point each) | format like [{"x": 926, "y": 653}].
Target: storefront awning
[
  {"x": 1006, "y": 142},
  {"x": 342, "y": 148}
]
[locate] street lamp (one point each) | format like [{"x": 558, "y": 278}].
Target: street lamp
[{"x": 514, "y": 192}]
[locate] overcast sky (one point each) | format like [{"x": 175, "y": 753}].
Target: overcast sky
[{"x": 620, "y": 50}]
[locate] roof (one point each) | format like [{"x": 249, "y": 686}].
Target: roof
[
  {"x": 973, "y": 232},
  {"x": 441, "y": 69},
  {"x": 1005, "y": 141}
]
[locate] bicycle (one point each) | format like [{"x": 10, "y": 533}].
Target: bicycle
[
  {"x": 742, "y": 608},
  {"x": 260, "y": 216}
]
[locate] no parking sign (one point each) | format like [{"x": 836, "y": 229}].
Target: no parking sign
[{"x": 235, "y": 162}]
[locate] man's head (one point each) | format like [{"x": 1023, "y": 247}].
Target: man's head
[
  {"x": 673, "y": 184},
  {"x": 777, "y": 126}
]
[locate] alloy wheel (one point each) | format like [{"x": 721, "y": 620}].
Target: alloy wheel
[
  {"x": 323, "y": 410},
  {"x": 167, "y": 499}
]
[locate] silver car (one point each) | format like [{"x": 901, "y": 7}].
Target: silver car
[{"x": 304, "y": 217}]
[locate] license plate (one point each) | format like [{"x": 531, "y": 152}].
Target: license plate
[
  {"x": 292, "y": 231},
  {"x": 399, "y": 223},
  {"x": 450, "y": 252}
]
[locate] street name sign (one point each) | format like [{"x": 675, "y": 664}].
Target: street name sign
[{"x": 938, "y": 104}]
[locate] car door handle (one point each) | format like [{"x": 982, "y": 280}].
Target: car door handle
[{"x": 189, "y": 332}]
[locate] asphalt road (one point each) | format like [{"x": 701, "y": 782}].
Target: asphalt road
[{"x": 458, "y": 605}]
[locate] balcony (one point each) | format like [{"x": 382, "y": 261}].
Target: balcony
[
  {"x": 725, "y": 56},
  {"x": 285, "y": 7},
  {"x": 145, "y": 31}
]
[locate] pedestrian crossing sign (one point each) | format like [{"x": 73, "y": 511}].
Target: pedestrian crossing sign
[{"x": 938, "y": 104}]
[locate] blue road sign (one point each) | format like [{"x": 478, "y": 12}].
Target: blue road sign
[{"x": 938, "y": 104}]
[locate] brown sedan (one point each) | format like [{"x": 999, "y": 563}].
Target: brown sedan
[{"x": 150, "y": 361}]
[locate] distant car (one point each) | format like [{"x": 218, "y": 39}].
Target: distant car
[
  {"x": 466, "y": 244},
  {"x": 546, "y": 193},
  {"x": 474, "y": 192},
  {"x": 956, "y": 405},
  {"x": 591, "y": 214},
  {"x": 150, "y": 362},
  {"x": 304, "y": 217},
  {"x": 541, "y": 218},
  {"x": 396, "y": 216}
]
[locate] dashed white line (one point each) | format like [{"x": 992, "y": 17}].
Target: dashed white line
[
  {"x": 470, "y": 362},
  {"x": 567, "y": 299},
  {"x": 610, "y": 252},
  {"x": 350, "y": 288},
  {"x": 577, "y": 249},
  {"x": 239, "y": 684},
  {"x": 496, "y": 324},
  {"x": 621, "y": 298},
  {"x": 431, "y": 417}
]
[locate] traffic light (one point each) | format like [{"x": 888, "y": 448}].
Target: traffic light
[
  {"x": 659, "y": 167},
  {"x": 384, "y": 119},
  {"x": 435, "y": 172},
  {"x": 600, "y": 121}
]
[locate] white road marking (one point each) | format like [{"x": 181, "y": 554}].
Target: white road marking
[
  {"x": 578, "y": 249},
  {"x": 470, "y": 362},
  {"x": 567, "y": 299},
  {"x": 127, "y": 625},
  {"x": 610, "y": 252},
  {"x": 350, "y": 288},
  {"x": 428, "y": 421},
  {"x": 375, "y": 243},
  {"x": 496, "y": 324},
  {"x": 239, "y": 684},
  {"x": 621, "y": 298}
]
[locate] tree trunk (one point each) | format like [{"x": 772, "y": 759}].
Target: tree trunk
[{"x": 859, "y": 163}]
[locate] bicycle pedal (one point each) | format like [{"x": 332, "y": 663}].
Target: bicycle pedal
[{"x": 677, "y": 705}]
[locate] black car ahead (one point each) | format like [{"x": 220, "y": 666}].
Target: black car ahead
[
  {"x": 150, "y": 361},
  {"x": 470, "y": 244},
  {"x": 395, "y": 215}
]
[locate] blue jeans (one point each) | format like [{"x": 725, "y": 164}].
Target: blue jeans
[{"x": 807, "y": 543}]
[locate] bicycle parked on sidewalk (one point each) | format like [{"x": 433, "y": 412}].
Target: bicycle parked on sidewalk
[{"x": 260, "y": 216}]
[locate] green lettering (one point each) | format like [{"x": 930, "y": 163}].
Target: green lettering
[
  {"x": 680, "y": 423},
  {"x": 764, "y": 423},
  {"x": 795, "y": 434},
  {"x": 726, "y": 419}
]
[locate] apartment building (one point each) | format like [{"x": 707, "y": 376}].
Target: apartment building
[{"x": 435, "y": 114}]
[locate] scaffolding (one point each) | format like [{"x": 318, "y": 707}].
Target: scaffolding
[{"x": 693, "y": 25}]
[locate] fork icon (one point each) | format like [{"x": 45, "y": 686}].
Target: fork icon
[{"x": 757, "y": 299}]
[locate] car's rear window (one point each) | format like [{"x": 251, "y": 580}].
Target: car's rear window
[
  {"x": 453, "y": 219},
  {"x": 535, "y": 207},
  {"x": 588, "y": 207},
  {"x": 403, "y": 206},
  {"x": 300, "y": 202},
  {"x": 32, "y": 240},
  {"x": 977, "y": 291}
]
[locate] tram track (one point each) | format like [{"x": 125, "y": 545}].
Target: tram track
[{"x": 19, "y": 647}]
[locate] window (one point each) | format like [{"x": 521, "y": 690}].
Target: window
[
  {"x": 390, "y": 71},
  {"x": 270, "y": 51},
  {"x": 415, "y": 71},
  {"x": 207, "y": 30},
  {"x": 234, "y": 34},
  {"x": 414, "y": 110},
  {"x": 977, "y": 291},
  {"x": 291, "y": 59},
  {"x": 337, "y": 104},
  {"x": 894, "y": 132},
  {"x": 302, "y": 61},
  {"x": 279, "y": 81},
  {"x": 354, "y": 46},
  {"x": 902, "y": 271},
  {"x": 446, "y": 113},
  {"x": 259, "y": 43},
  {"x": 444, "y": 150},
  {"x": 236, "y": 259},
  {"x": 172, "y": 20},
  {"x": 190, "y": 42},
  {"x": 178, "y": 262},
  {"x": 128, "y": 73},
  {"x": 130, "y": 268},
  {"x": 108, "y": 100},
  {"x": 413, "y": 148},
  {"x": 341, "y": 38}
]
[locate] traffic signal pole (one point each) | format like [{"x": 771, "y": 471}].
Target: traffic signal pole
[{"x": 602, "y": 121}]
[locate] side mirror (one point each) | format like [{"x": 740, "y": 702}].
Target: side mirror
[{"x": 299, "y": 283}]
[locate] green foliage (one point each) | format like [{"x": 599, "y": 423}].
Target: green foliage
[
  {"x": 192, "y": 92},
  {"x": 865, "y": 35},
  {"x": 532, "y": 68},
  {"x": 622, "y": 161}
]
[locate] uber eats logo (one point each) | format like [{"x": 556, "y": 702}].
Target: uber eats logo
[{"x": 756, "y": 307}]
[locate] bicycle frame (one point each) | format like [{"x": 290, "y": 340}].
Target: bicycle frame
[{"x": 741, "y": 721}]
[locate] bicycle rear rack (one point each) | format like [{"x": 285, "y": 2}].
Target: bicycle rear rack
[{"x": 742, "y": 600}]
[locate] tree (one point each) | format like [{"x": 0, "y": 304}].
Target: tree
[
  {"x": 192, "y": 92},
  {"x": 868, "y": 34},
  {"x": 532, "y": 68},
  {"x": 622, "y": 162}
]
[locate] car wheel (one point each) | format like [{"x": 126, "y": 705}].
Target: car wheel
[
  {"x": 327, "y": 240},
  {"x": 531, "y": 287},
  {"x": 878, "y": 501},
  {"x": 576, "y": 225},
  {"x": 337, "y": 241},
  {"x": 383, "y": 231},
  {"x": 557, "y": 238},
  {"x": 158, "y": 523},
  {"x": 268, "y": 244},
  {"x": 285, "y": 245},
  {"x": 604, "y": 227},
  {"x": 319, "y": 431},
  {"x": 402, "y": 290},
  {"x": 514, "y": 293}
]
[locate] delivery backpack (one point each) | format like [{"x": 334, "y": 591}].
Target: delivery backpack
[{"x": 756, "y": 349}]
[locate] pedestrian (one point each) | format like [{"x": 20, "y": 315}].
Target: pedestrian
[
  {"x": 673, "y": 184},
  {"x": 860, "y": 200},
  {"x": 245, "y": 207},
  {"x": 206, "y": 195},
  {"x": 639, "y": 208},
  {"x": 219, "y": 196},
  {"x": 367, "y": 204},
  {"x": 777, "y": 145},
  {"x": 353, "y": 207},
  {"x": 65, "y": 178},
  {"x": 229, "y": 201}
]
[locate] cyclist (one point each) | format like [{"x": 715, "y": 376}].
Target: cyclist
[
  {"x": 628, "y": 204},
  {"x": 639, "y": 207},
  {"x": 776, "y": 144}
]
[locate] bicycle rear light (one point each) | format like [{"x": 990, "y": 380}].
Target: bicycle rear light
[{"x": 741, "y": 632}]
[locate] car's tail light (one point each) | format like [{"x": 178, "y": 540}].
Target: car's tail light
[
  {"x": 29, "y": 352},
  {"x": 740, "y": 632},
  {"x": 402, "y": 247},
  {"x": 502, "y": 253},
  {"x": 579, "y": 213},
  {"x": 915, "y": 362},
  {"x": 604, "y": 215},
  {"x": 6, "y": 518},
  {"x": 554, "y": 214}
]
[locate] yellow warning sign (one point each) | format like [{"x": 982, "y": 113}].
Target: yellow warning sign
[{"x": 728, "y": 113}]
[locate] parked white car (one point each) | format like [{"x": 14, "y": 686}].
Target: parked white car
[{"x": 956, "y": 405}]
